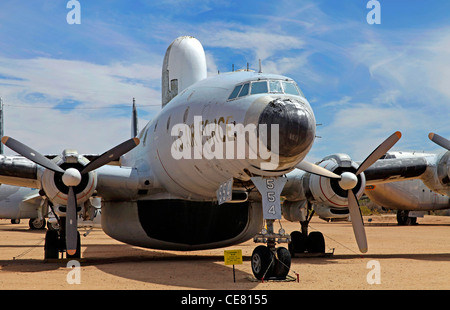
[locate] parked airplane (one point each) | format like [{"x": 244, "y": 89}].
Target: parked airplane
[
  {"x": 206, "y": 172},
  {"x": 18, "y": 203}
]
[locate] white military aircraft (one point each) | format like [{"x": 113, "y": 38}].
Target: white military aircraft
[{"x": 206, "y": 172}]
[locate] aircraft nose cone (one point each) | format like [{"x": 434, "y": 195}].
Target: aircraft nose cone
[{"x": 296, "y": 126}]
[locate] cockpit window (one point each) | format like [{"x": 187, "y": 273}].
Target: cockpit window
[
  {"x": 266, "y": 87},
  {"x": 290, "y": 88},
  {"x": 259, "y": 87},
  {"x": 235, "y": 92},
  {"x": 244, "y": 90},
  {"x": 275, "y": 87}
]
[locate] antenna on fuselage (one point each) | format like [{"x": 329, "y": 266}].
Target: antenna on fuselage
[
  {"x": 260, "y": 67},
  {"x": 134, "y": 121}
]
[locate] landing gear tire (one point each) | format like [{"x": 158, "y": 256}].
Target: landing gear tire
[
  {"x": 298, "y": 243},
  {"x": 404, "y": 219},
  {"x": 52, "y": 245},
  {"x": 262, "y": 262},
  {"x": 265, "y": 265},
  {"x": 36, "y": 224},
  {"x": 52, "y": 226},
  {"x": 315, "y": 242},
  {"x": 282, "y": 264}
]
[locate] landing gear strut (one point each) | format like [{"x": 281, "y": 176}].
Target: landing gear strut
[{"x": 269, "y": 262}]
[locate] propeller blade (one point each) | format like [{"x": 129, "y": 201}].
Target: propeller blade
[
  {"x": 71, "y": 223},
  {"x": 113, "y": 153},
  {"x": 31, "y": 154},
  {"x": 379, "y": 151},
  {"x": 315, "y": 169},
  {"x": 439, "y": 140},
  {"x": 357, "y": 222}
]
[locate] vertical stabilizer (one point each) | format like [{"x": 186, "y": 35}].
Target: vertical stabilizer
[{"x": 184, "y": 64}]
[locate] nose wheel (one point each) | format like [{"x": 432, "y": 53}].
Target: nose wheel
[{"x": 270, "y": 263}]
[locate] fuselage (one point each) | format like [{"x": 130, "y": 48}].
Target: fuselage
[{"x": 206, "y": 134}]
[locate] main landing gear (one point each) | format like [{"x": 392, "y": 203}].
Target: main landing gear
[{"x": 302, "y": 242}]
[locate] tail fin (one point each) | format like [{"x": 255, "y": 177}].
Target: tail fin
[{"x": 134, "y": 121}]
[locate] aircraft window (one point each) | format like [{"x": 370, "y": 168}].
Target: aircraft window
[
  {"x": 244, "y": 90},
  {"x": 290, "y": 88},
  {"x": 259, "y": 87},
  {"x": 275, "y": 87},
  {"x": 235, "y": 92}
]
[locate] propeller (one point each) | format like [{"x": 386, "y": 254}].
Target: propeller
[
  {"x": 348, "y": 181},
  {"x": 439, "y": 140},
  {"x": 71, "y": 178}
]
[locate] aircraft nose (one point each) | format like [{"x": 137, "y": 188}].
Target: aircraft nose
[{"x": 296, "y": 125}]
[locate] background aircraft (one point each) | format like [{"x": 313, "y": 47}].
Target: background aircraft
[
  {"x": 18, "y": 203},
  {"x": 158, "y": 201}
]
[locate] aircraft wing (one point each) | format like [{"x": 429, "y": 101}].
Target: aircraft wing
[{"x": 396, "y": 169}]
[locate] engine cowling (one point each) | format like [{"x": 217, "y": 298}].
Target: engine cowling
[
  {"x": 330, "y": 191},
  {"x": 54, "y": 187}
]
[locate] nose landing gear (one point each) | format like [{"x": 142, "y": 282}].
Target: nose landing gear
[{"x": 269, "y": 262}]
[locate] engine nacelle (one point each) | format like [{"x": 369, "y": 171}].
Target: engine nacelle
[
  {"x": 54, "y": 187},
  {"x": 328, "y": 191}
]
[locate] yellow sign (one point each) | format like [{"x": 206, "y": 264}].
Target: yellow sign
[{"x": 233, "y": 257}]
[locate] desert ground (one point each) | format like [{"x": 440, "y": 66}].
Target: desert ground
[{"x": 404, "y": 257}]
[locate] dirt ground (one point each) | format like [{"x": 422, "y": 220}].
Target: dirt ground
[{"x": 399, "y": 257}]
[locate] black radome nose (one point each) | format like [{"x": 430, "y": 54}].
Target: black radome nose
[{"x": 296, "y": 126}]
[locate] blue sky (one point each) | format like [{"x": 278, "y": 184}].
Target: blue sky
[{"x": 72, "y": 85}]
